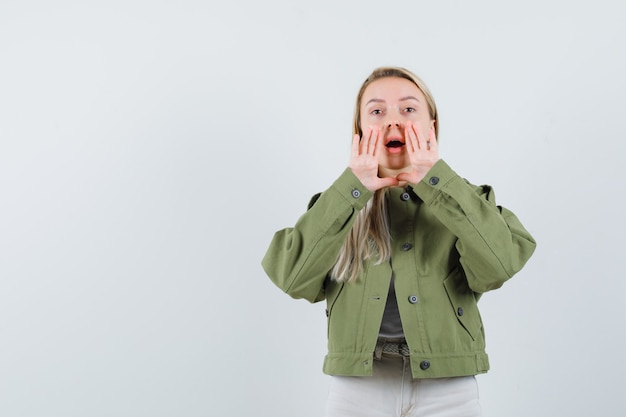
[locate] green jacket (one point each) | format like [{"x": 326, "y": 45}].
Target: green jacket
[{"x": 450, "y": 244}]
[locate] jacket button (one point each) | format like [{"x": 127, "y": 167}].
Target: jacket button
[
  {"x": 433, "y": 180},
  {"x": 413, "y": 299},
  {"x": 405, "y": 197},
  {"x": 460, "y": 311},
  {"x": 326, "y": 312},
  {"x": 406, "y": 246},
  {"x": 424, "y": 365},
  {"x": 356, "y": 193}
]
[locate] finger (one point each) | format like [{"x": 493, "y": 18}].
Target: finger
[
  {"x": 404, "y": 176},
  {"x": 356, "y": 139},
  {"x": 418, "y": 140},
  {"x": 376, "y": 134},
  {"x": 387, "y": 182},
  {"x": 410, "y": 138},
  {"x": 373, "y": 140},
  {"x": 365, "y": 143}
]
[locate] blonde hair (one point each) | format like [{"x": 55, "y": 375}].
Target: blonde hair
[{"x": 370, "y": 236}]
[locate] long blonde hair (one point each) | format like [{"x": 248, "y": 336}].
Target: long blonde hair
[{"x": 370, "y": 236}]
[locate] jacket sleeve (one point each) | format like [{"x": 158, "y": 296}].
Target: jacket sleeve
[
  {"x": 300, "y": 257},
  {"x": 492, "y": 243}
]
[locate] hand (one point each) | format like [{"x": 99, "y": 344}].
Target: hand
[
  {"x": 364, "y": 160},
  {"x": 423, "y": 153}
]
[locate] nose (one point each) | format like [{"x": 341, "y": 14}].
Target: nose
[{"x": 392, "y": 124}]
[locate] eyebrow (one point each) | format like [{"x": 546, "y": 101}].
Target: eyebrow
[{"x": 378, "y": 100}]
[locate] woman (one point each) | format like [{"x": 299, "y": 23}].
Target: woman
[{"x": 401, "y": 248}]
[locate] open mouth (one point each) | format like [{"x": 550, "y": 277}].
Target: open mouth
[{"x": 394, "y": 144}]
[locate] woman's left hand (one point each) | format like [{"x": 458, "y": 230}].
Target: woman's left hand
[{"x": 423, "y": 153}]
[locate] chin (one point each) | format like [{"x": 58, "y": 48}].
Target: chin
[
  {"x": 395, "y": 162},
  {"x": 395, "y": 167}
]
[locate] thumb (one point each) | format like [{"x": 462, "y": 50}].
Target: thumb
[
  {"x": 405, "y": 176},
  {"x": 388, "y": 182}
]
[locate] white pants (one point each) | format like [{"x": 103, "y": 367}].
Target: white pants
[{"x": 392, "y": 392}]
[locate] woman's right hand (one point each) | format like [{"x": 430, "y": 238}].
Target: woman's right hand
[{"x": 364, "y": 160}]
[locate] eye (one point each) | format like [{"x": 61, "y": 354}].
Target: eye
[
  {"x": 376, "y": 112},
  {"x": 410, "y": 110}
]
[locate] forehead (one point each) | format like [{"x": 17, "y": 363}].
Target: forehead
[{"x": 391, "y": 89}]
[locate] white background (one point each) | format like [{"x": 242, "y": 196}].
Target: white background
[{"x": 149, "y": 150}]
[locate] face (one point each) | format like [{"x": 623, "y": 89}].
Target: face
[{"x": 388, "y": 104}]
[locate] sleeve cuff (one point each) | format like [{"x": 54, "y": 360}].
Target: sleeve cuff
[
  {"x": 351, "y": 189},
  {"x": 437, "y": 179}
]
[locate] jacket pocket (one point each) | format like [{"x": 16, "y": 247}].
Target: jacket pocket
[{"x": 464, "y": 304}]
